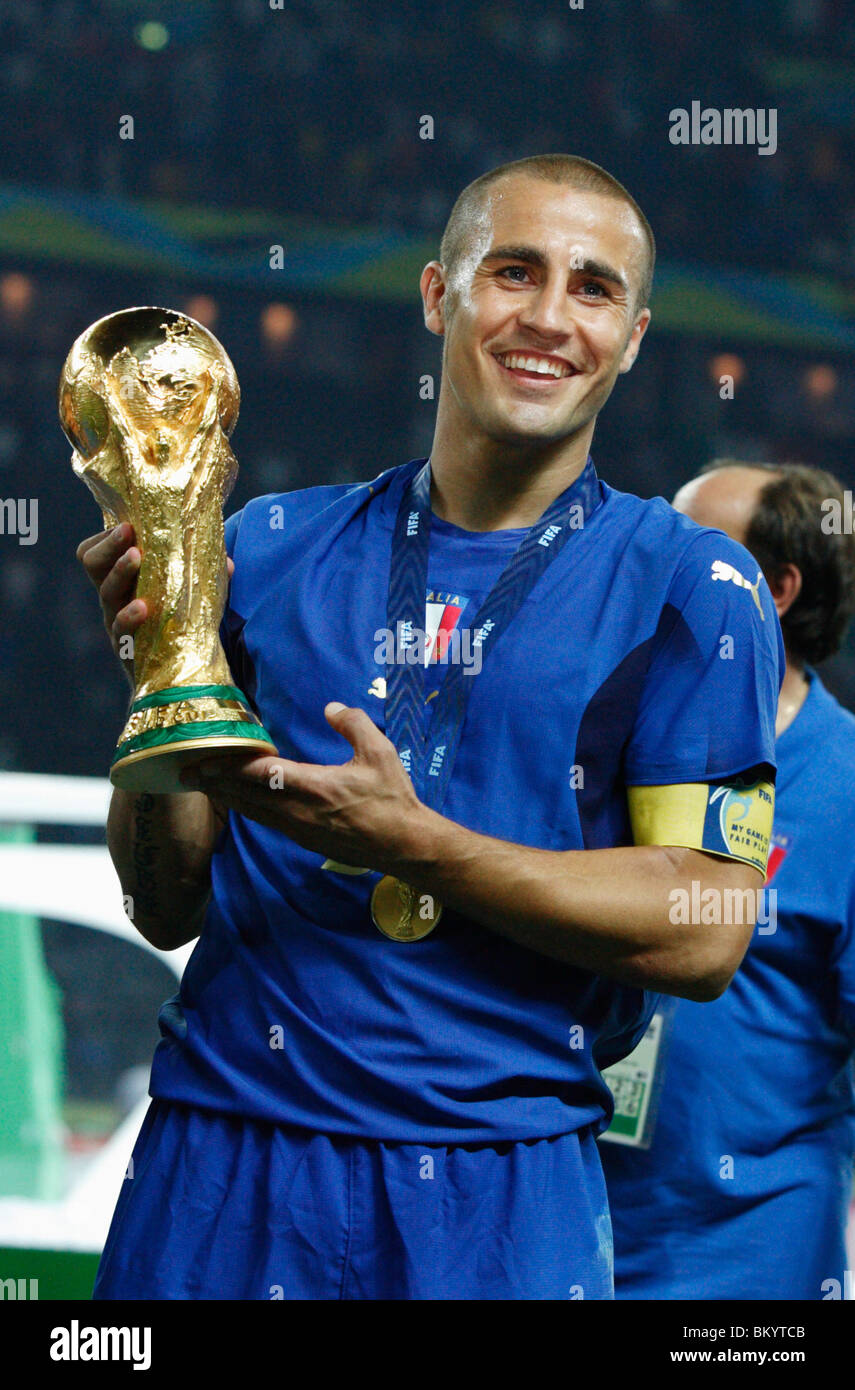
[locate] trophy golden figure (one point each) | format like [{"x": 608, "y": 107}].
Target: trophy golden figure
[{"x": 148, "y": 399}]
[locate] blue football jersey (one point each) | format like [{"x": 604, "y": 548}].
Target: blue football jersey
[
  {"x": 743, "y": 1192},
  {"x": 642, "y": 655}
]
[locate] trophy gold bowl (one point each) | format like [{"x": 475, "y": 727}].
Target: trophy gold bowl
[{"x": 148, "y": 399}]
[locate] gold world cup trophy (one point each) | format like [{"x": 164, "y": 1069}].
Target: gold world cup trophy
[{"x": 148, "y": 399}]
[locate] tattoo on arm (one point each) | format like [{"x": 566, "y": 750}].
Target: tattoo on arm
[{"x": 145, "y": 856}]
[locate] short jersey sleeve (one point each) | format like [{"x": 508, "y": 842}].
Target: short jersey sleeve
[
  {"x": 231, "y": 528},
  {"x": 709, "y": 700},
  {"x": 227, "y": 625}
]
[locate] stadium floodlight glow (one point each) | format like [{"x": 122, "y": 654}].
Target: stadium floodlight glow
[
  {"x": 152, "y": 35},
  {"x": 16, "y": 292}
]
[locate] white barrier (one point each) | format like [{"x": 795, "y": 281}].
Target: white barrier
[
  {"x": 76, "y": 884},
  {"x": 36, "y": 798}
]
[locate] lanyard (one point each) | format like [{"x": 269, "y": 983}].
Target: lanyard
[{"x": 430, "y": 760}]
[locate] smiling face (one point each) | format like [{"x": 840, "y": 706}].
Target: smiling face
[{"x": 539, "y": 311}]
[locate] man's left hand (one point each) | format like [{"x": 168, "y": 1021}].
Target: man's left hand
[{"x": 362, "y": 812}]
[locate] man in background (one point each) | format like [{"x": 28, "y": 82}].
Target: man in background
[{"x": 744, "y": 1190}]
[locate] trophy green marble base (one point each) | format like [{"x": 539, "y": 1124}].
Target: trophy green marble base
[
  {"x": 158, "y": 769},
  {"x": 171, "y": 729}
]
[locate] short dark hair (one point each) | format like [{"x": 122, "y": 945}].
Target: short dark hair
[
  {"x": 785, "y": 528},
  {"x": 570, "y": 169}
]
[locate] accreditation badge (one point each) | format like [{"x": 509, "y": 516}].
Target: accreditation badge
[{"x": 636, "y": 1083}]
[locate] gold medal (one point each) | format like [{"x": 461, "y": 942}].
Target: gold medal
[{"x": 403, "y": 913}]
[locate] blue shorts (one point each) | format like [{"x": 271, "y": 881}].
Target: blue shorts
[{"x": 220, "y": 1207}]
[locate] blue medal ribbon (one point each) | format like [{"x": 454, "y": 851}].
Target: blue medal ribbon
[{"x": 430, "y": 760}]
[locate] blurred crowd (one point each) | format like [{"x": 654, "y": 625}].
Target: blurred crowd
[
  {"x": 315, "y": 107},
  {"x": 313, "y": 413}
]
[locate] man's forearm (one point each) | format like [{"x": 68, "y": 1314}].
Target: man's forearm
[
  {"x": 161, "y": 848},
  {"x": 606, "y": 910}
]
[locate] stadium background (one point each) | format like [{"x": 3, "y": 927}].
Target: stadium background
[{"x": 303, "y": 126}]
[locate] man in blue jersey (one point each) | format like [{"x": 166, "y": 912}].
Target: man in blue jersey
[
  {"x": 744, "y": 1189},
  {"x": 429, "y": 922}
]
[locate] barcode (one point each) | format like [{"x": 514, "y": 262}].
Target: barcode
[{"x": 628, "y": 1096}]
